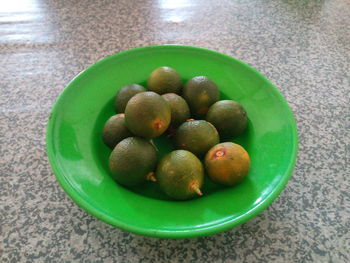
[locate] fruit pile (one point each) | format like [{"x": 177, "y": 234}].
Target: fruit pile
[{"x": 144, "y": 115}]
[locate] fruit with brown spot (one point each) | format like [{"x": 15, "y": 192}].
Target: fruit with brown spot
[
  {"x": 227, "y": 163},
  {"x": 133, "y": 161},
  {"x": 147, "y": 115},
  {"x": 180, "y": 175}
]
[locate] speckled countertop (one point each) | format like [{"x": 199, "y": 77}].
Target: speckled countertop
[{"x": 303, "y": 47}]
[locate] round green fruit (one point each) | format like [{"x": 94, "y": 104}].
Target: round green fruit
[
  {"x": 228, "y": 117},
  {"x": 125, "y": 94},
  {"x": 180, "y": 175},
  {"x": 115, "y": 130},
  {"x": 164, "y": 80},
  {"x": 196, "y": 136},
  {"x": 200, "y": 93},
  {"x": 180, "y": 111},
  {"x": 133, "y": 161},
  {"x": 147, "y": 115}
]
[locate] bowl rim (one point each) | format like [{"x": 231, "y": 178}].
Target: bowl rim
[{"x": 208, "y": 230}]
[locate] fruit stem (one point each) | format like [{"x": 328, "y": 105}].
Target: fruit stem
[
  {"x": 219, "y": 153},
  {"x": 195, "y": 188},
  {"x": 158, "y": 124},
  {"x": 150, "y": 177}
]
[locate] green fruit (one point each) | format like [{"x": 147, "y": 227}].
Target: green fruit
[
  {"x": 164, "y": 80},
  {"x": 178, "y": 107},
  {"x": 125, "y": 94},
  {"x": 196, "y": 136},
  {"x": 180, "y": 175},
  {"x": 200, "y": 93},
  {"x": 147, "y": 115},
  {"x": 132, "y": 161},
  {"x": 115, "y": 130},
  {"x": 228, "y": 117},
  {"x": 227, "y": 163}
]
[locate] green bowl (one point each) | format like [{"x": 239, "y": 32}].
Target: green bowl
[{"x": 79, "y": 158}]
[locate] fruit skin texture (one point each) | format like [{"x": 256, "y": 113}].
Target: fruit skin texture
[
  {"x": 164, "y": 80},
  {"x": 180, "y": 175},
  {"x": 180, "y": 111},
  {"x": 115, "y": 130},
  {"x": 125, "y": 94},
  {"x": 200, "y": 93},
  {"x": 228, "y": 117},
  {"x": 147, "y": 115},
  {"x": 132, "y": 160},
  {"x": 196, "y": 136},
  {"x": 227, "y": 163}
]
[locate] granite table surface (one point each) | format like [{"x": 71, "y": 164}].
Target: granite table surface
[{"x": 302, "y": 46}]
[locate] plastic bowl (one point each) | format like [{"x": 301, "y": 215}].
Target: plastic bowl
[{"x": 79, "y": 158}]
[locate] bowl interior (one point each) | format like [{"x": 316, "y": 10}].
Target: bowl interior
[{"x": 80, "y": 159}]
